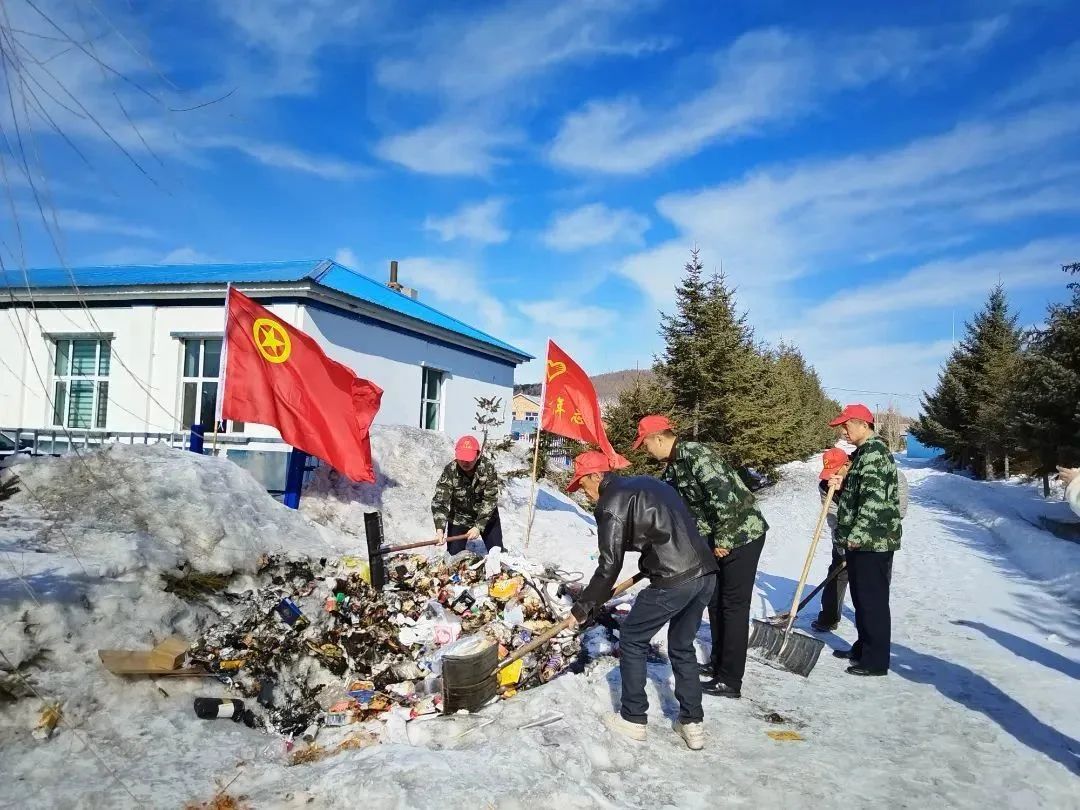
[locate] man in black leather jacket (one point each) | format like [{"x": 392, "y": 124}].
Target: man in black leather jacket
[{"x": 645, "y": 515}]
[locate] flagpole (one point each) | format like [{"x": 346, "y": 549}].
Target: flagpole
[
  {"x": 536, "y": 451},
  {"x": 221, "y": 369}
]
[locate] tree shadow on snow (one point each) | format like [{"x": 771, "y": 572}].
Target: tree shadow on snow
[
  {"x": 958, "y": 683},
  {"x": 48, "y": 586},
  {"x": 1023, "y": 648},
  {"x": 546, "y": 502}
]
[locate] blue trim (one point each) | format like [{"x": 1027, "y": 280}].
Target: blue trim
[
  {"x": 285, "y": 298},
  {"x": 325, "y": 272}
]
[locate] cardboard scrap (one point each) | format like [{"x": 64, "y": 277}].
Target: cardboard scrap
[{"x": 163, "y": 660}]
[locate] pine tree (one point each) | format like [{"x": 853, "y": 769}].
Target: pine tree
[
  {"x": 968, "y": 413},
  {"x": 621, "y": 421},
  {"x": 682, "y": 364}
]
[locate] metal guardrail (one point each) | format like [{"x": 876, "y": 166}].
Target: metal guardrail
[{"x": 58, "y": 441}]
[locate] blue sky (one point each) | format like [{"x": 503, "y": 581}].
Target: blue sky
[{"x": 862, "y": 172}]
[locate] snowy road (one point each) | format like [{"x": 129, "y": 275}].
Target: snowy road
[{"x": 982, "y": 708}]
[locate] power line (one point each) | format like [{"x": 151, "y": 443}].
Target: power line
[{"x": 876, "y": 393}]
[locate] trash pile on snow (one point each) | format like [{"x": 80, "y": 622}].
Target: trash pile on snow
[{"x": 317, "y": 647}]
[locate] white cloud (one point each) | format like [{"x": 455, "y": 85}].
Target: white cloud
[
  {"x": 765, "y": 77},
  {"x": 346, "y": 257},
  {"x": 280, "y": 156},
  {"x": 447, "y": 148},
  {"x": 1057, "y": 77},
  {"x": 481, "y": 222},
  {"x": 72, "y": 220},
  {"x": 592, "y": 225},
  {"x": 457, "y": 284},
  {"x": 186, "y": 255},
  {"x": 561, "y": 316},
  {"x": 470, "y": 57}
]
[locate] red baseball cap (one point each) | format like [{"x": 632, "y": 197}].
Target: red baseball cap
[
  {"x": 589, "y": 462},
  {"x": 832, "y": 461},
  {"x": 467, "y": 449},
  {"x": 853, "y": 412},
  {"x": 650, "y": 425}
]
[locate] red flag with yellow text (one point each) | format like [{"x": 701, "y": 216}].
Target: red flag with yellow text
[
  {"x": 279, "y": 376},
  {"x": 571, "y": 408}
]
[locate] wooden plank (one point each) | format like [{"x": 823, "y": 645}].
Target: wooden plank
[
  {"x": 163, "y": 660},
  {"x": 170, "y": 653}
]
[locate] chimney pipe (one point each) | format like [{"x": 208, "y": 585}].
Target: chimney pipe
[{"x": 393, "y": 272}]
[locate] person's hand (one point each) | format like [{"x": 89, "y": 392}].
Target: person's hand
[
  {"x": 721, "y": 552},
  {"x": 573, "y": 621},
  {"x": 1067, "y": 474},
  {"x": 474, "y": 534},
  {"x": 852, "y": 547},
  {"x": 440, "y": 536},
  {"x": 836, "y": 481}
]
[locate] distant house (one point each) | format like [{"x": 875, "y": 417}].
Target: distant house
[
  {"x": 139, "y": 348},
  {"x": 526, "y": 408}
]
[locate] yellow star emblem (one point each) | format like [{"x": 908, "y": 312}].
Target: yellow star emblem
[{"x": 272, "y": 340}]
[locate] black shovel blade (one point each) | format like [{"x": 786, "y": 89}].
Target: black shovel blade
[{"x": 794, "y": 652}]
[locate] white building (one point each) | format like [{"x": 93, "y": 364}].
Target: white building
[{"x": 137, "y": 348}]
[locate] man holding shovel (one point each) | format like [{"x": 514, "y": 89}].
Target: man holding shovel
[
  {"x": 832, "y": 597},
  {"x": 868, "y": 527},
  {"x": 466, "y": 499},
  {"x": 728, "y": 516},
  {"x": 647, "y": 516}
]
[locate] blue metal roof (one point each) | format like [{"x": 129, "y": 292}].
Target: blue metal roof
[{"x": 328, "y": 273}]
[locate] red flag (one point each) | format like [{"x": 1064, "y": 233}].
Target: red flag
[
  {"x": 571, "y": 408},
  {"x": 277, "y": 375}
]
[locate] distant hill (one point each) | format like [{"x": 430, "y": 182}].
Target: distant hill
[{"x": 608, "y": 386}]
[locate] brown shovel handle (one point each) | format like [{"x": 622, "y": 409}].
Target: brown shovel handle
[
  {"x": 565, "y": 624},
  {"x": 421, "y": 544}
]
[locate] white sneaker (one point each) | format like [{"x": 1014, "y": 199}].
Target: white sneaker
[
  {"x": 693, "y": 735},
  {"x": 618, "y": 725}
]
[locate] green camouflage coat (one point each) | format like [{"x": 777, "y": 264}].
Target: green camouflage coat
[
  {"x": 868, "y": 509},
  {"x": 468, "y": 500},
  {"x": 725, "y": 508}
]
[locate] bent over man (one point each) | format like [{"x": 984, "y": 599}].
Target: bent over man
[
  {"x": 728, "y": 516},
  {"x": 647, "y": 516}
]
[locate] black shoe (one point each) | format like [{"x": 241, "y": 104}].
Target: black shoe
[
  {"x": 847, "y": 655},
  {"x": 717, "y": 688},
  {"x": 862, "y": 671},
  {"x": 819, "y": 626},
  {"x": 706, "y": 670}
]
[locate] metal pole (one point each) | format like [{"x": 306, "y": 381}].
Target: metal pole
[
  {"x": 294, "y": 478},
  {"x": 197, "y": 438}
]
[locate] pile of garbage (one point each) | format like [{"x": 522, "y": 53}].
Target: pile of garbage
[{"x": 316, "y": 646}]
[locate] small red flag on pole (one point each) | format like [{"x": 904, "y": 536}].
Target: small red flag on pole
[
  {"x": 279, "y": 376},
  {"x": 571, "y": 408}
]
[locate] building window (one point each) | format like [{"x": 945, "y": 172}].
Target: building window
[
  {"x": 81, "y": 388},
  {"x": 431, "y": 387},
  {"x": 531, "y": 417},
  {"x": 199, "y": 384}
]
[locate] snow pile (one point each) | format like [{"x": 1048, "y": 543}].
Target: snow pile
[
  {"x": 1017, "y": 515},
  {"x": 129, "y": 506}
]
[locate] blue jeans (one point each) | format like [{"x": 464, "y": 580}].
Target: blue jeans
[{"x": 680, "y": 608}]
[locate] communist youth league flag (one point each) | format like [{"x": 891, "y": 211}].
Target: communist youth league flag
[
  {"x": 571, "y": 408},
  {"x": 277, "y": 375}
]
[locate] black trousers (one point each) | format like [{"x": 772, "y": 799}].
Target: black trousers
[
  {"x": 680, "y": 608},
  {"x": 492, "y": 534},
  {"x": 832, "y": 597},
  {"x": 869, "y": 573},
  {"x": 729, "y": 611}
]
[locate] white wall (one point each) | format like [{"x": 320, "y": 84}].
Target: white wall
[
  {"x": 393, "y": 360},
  {"x": 142, "y": 340}
]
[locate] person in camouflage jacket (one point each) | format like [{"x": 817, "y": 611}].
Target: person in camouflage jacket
[
  {"x": 467, "y": 499},
  {"x": 728, "y": 516},
  {"x": 868, "y": 527}
]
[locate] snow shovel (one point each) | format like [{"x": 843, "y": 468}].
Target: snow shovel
[
  {"x": 782, "y": 648},
  {"x": 471, "y": 680}
]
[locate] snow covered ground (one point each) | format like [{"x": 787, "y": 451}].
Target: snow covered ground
[{"x": 982, "y": 707}]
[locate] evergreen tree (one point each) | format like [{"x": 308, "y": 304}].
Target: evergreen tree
[
  {"x": 621, "y": 421},
  {"x": 683, "y": 365}
]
